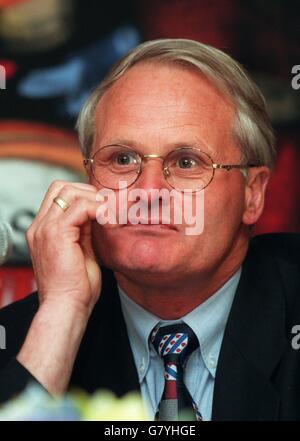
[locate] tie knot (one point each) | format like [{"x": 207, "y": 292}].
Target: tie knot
[{"x": 174, "y": 342}]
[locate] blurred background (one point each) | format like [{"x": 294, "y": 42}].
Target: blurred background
[{"x": 55, "y": 51}]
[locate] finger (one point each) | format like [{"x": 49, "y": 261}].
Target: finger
[
  {"x": 84, "y": 215},
  {"x": 80, "y": 212},
  {"x": 55, "y": 189},
  {"x": 64, "y": 227},
  {"x": 50, "y": 210},
  {"x": 70, "y": 195}
]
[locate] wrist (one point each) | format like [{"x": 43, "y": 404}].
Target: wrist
[
  {"x": 69, "y": 307},
  {"x": 52, "y": 343}
]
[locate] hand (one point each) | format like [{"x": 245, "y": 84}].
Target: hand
[
  {"x": 60, "y": 245},
  {"x": 69, "y": 283}
]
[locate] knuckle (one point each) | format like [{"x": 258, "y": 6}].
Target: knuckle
[
  {"x": 67, "y": 190},
  {"x": 43, "y": 233},
  {"x": 81, "y": 204},
  {"x": 56, "y": 185},
  {"x": 29, "y": 235},
  {"x": 59, "y": 226},
  {"x": 37, "y": 235}
]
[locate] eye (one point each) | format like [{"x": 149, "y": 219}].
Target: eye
[
  {"x": 125, "y": 159},
  {"x": 186, "y": 162}
]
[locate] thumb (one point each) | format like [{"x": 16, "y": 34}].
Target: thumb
[{"x": 85, "y": 240}]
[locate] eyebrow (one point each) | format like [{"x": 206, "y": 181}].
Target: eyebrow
[{"x": 176, "y": 145}]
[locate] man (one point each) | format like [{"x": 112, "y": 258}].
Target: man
[{"x": 173, "y": 115}]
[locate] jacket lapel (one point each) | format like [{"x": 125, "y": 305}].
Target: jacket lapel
[{"x": 254, "y": 341}]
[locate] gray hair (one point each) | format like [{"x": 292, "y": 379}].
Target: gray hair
[{"x": 252, "y": 127}]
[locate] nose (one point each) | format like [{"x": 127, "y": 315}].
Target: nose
[
  {"x": 152, "y": 175},
  {"x": 152, "y": 187}
]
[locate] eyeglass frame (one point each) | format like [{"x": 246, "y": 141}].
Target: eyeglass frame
[{"x": 215, "y": 166}]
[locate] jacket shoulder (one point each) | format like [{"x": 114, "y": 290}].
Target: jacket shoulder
[
  {"x": 21, "y": 308},
  {"x": 279, "y": 257},
  {"x": 15, "y": 320},
  {"x": 280, "y": 246}
]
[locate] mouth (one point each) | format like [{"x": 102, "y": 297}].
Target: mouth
[{"x": 151, "y": 227}]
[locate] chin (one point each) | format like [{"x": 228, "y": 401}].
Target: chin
[{"x": 140, "y": 255}]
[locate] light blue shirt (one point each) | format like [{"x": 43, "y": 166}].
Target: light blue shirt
[{"x": 208, "y": 322}]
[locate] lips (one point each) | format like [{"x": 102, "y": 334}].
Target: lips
[{"x": 152, "y": 224}]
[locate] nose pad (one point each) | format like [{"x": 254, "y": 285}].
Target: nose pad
[{"x": 166, "y": 172}]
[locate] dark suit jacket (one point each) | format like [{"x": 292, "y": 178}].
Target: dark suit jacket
[{"x": 258, "y": 373}]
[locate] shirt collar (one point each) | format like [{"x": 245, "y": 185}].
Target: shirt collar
[
  {"x": 139, "y": 323},
  {"x": 207, "y": 320}
]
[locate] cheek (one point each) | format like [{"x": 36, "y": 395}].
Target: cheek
[
  {"x": 92, "y": 181},
  {"x": 102, "y": 238},
  {"x": 224, "y": 205}
]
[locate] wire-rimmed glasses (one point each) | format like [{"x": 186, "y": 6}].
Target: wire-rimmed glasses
[{"x": 184, "y": 168}]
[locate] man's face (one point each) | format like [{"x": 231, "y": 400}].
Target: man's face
[{"x": 154, "y": 108}]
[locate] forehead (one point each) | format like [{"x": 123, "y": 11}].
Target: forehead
[{"x": 155, "y": 106}]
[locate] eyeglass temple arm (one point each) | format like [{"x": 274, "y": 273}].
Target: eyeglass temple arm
[
  {"x": 88, "y": 161},
  {"x": 230, "y": 166}
]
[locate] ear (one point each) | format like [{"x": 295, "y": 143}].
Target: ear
[
  {"x": 88, "y": 172},
  {"x": 256, "y": 185}
]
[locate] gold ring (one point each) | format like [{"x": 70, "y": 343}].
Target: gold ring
[{"x": 61, "y": 203}]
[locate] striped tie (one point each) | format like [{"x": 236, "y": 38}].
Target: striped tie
[{"x": 174, "y": 344}]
